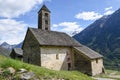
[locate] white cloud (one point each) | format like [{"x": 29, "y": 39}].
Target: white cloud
[
  {"x": 91, "y": 15},
  {"x": 68, "y": 27},
  {"x": 55, "y": 25},
  {"x": 12, "y": 31},
  {"x": 108, "y": 8},
  {"x": 15, "y": 8},
  {"x": 88, "y": 15}
]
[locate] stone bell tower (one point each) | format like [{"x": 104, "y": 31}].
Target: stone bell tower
[{"x": 44, "y": 18}]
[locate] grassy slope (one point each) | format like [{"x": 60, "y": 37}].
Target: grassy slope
[{"x": 42, "y": 72}]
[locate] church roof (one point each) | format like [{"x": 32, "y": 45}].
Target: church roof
[
  {"x": 53, "y": 38},
  {"x": 18, "y": 51},
  {"x": 88, "y": 52},
  {"x": 44, "y": 8}
]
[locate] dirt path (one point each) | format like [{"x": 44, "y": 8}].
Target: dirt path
[
  {"x": 103, "y": 79},
  {"x": 111, "y": 76},
  {"x": 114, "y": 75}
]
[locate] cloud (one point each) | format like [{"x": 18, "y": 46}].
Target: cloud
[
  {"x": 108, "y": 8},
  {"x": 12, "y": 31},
  {"x": 88, "y": 15},
  {"x": 15, "y": 8},
  {"x": 68, "y": 27},
  {"x": 91, "y": 15}
]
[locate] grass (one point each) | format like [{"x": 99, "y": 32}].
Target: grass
[{"x": 43, "y": 72}]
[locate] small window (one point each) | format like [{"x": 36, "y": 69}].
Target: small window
[
  {"x": 68, "y": 59},
  {"x": 46, "y": 28},
  {"x": 57, "y": 56},
  {"x": 96, "y": 60},
  {"x": 46, "y": 24},
  {"x": 46, "y": 21},
  {"x": 46, "y": 14}
]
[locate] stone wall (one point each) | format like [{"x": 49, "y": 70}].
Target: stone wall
[
  {"x": 82, "y": 63},
  {"x": 31, "y": 51},
  {"x": 97, "y": 66},
  {"x": 56, "y": 58}
]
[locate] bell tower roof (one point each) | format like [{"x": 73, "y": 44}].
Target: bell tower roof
[{"x": 44, "y": 8}]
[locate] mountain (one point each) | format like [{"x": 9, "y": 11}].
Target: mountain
[
  {"x": 104, "y": 37},
  {"x": 4, "y": 51},
  {"x": 7, "y": 46},
  {"x": 10, "y": 47},
  {"x": 19, "y": 45}
]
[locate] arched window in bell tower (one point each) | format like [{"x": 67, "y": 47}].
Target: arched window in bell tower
[
  {"x": 46, "y": 15},
  {"x": 46, "y": 24}
]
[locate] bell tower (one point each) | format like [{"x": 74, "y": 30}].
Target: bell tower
[{"x": 44, "y": 18}]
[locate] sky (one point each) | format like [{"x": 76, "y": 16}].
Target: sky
[{"x": 67, "y": 16}]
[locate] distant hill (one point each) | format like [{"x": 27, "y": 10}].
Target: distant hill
[
  {"x": 6, "y": 48},
  {"x": 4, "y": 51},
  {"x": 10, "y": 47},
  {"x": 104, "y": 37},
  {"x": 19, "y": 45}
]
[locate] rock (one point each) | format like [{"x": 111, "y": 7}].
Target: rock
[
  {"x": 22, "y": 70},
  {"x": 12, "y": 70},
  {"x": 1, "y": 70},
  {"x": 27, "y": 76}
]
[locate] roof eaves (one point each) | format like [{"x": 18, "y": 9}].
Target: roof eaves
[{"x": 100, "y": 56}]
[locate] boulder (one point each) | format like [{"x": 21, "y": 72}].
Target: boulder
[
  {"x": 27, "y": 76},
  {"x": 1, "y": 70},
  {"x": 22, "y": 70},
  {"x": 12, "y": 70}
]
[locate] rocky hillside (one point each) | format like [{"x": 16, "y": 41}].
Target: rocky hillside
[
  {"x": 104, "y": 37},
  {"x": 4, "y": 51},
  {"x": 10, "y": 47},
  {"x": 19, "y": 45},
  {"x": 7, "y": 46}
]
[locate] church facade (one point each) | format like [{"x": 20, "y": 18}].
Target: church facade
[{"x": 57, "y": 50}]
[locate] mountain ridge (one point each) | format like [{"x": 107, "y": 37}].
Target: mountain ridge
[
  {"x": 10, "y": 47},
  {"x": 4, "y": 51},
  {"x": 103, "y": 36},
  {"x": 6, "y": 48}
]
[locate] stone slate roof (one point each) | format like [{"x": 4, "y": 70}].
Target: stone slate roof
[
  {"x": 44, "y": 8},
  {"x": 88, "y": 52},
  {"x": 53, "y": 38},
  {"x": 19, "y": 51}
]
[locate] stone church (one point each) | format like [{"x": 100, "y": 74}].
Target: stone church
[{"x": 57, "y": 50}]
